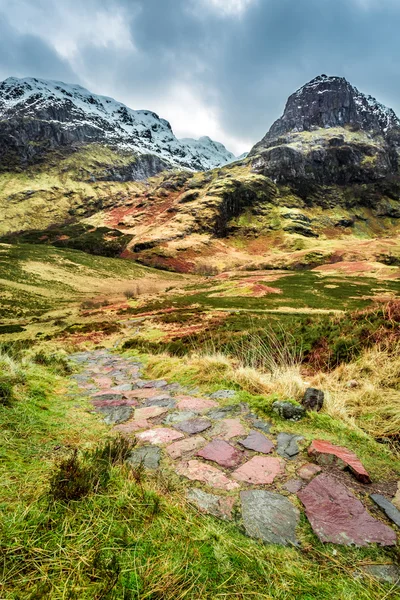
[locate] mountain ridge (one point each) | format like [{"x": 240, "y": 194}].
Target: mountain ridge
[{"x": 69, "y": 113}]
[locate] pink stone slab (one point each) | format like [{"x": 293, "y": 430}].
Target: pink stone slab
[
  {"x": 103, "y": 382},
  {"x": 259, "y": 470},
  {"x": 132, "y": 427},
  {"x": 308, "y": 471},
  {"x": 198, "y": 405},
  {"x": 222, "y": 453},
  {"x": 327, "y": 453},
  {"x": 178, "y": 449},
  {"x": 198, "y": 471},
  {"x": 227, "y": 429},
  {"x": 149, "y": 412},
  {"x": 143, "y": 393},
  {"x": 258, "y": 442},
  {"x": 161, "y": 435},
  {"x": 293, "y": 485},
  {"x": 338, "y": 517}
]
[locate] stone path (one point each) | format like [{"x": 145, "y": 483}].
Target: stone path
[{"x": 235, "y": 467}]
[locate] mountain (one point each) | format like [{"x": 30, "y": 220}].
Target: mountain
[
  {"x": 330, "y": 133},
  {"x": 37, "y": 116},
  {"x": 324, "y": 176}
]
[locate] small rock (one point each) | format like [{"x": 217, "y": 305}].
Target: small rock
[
  {"x": 313, "y": 399},
  {"x": 337, "y": 516},
  {"x": 222, "y": 453},
  {"x": 327, "y": 453},
  {"x": 193, "y": 426},
  {"x": 269, "y": 517},
  {"x": 258, "y": 442},
  {"x": 293, "y": 485},
  {"x": 178, "y": 449},
  {"x": 157, "y": 383},
  {"x": 223, "y": 395},
  {"x": 288, "y": 445},
  {"x": 388, "y": 508},
  {"x": 259, "y": 470},
  {"x": 107, "y": 396},
  {"x": 148, "y": 456},
  {"x": 384, "y": 573},
  {"x": 125, "y": 387},
  {"x": 288, "y": 411},
  {"x": 162, "y": 435},
  {"x": 218, "y": 506},
  {"x": 308, "y": 471},
  {"x": 353, "y": 383},
  {"x": 198, "y": 471}
]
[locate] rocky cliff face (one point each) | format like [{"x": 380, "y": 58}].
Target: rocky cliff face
[
  {"x": 330, "y": 134},
  {"x": 37, "y": 116}
]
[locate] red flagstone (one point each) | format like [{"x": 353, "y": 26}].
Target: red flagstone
[
  {"x": 338, "y": 517},
  {"x": 115, "y": 402},
  {"x": 259, "y": 470},
  {"x": 222, "y": 453},
  {"x": 198, "y": 405},
  {"x": 178, "y": 449},
  {"x": 198, "y": 471},
  {"x": 162, "y": 435},
  {"x": 327, "y": 453}
]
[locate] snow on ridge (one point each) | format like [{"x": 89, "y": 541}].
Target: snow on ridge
[{"x": 141, "y": 131}]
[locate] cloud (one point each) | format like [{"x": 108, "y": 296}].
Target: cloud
[{"x": 222, "y": 68}]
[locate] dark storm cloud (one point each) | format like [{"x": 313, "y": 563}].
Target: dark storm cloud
[
  {"x": 23, "y": 55},
  {"x": 242, "y": 65}
]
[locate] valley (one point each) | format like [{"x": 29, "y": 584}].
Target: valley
[{"x": 165, "y": 310}]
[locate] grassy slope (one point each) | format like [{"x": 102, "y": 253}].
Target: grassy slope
[
  {"x": 62, "y": 188},
  {"x": 138, "y": 539}
]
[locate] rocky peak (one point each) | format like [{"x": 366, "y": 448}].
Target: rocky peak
[{"x": 327, "y": 102}]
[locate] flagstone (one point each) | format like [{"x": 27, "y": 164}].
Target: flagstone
[
  {"x": 198, "y": 405},
  {"x": 149, "y": 412},
  {"x": 198, "y": 471},
  {"x": 192, "y": 426},
  {"x": 258, "y": 442},
  {"x": 228, "y": 428},
  {"x": 259, "y": 470},
  {"x": 337, "y": 516},
  {"x": 161, "y": 435},
  {"x": 222, "y": 453},
  {"x": 327, "y": 454},
  {"x": 179, "y": 449}
]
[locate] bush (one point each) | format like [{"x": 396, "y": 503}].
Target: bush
[
  {"x": 6, "y": 393},
  {"x": 132, "y": 293},
  {"x": 79, "y": 475}
]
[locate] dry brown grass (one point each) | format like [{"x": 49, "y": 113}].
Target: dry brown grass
[{"x": 374, "y": 401}]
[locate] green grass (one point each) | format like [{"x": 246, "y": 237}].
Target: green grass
[
  {"x": 137, "y": 539},
  {"x": 26, "y": 293}
]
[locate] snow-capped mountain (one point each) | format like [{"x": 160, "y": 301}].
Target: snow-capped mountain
[
  {"x": 65, "y": 113},
  {"x": 327, "y": 102}
]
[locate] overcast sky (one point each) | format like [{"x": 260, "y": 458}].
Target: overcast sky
[{"x": 222, "y": 68}]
